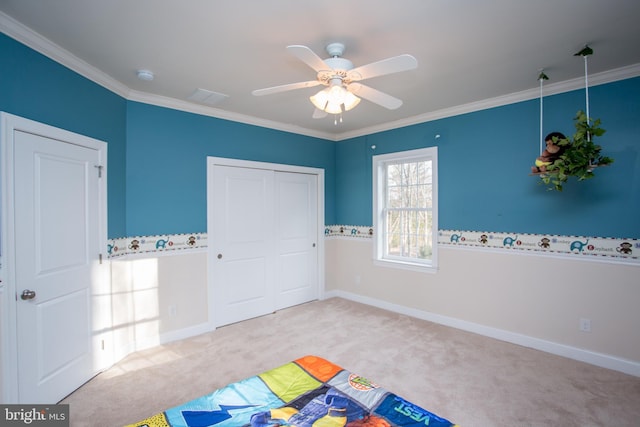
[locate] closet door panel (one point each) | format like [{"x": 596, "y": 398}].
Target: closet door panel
[
  {"x": 296, "y": 234},
  {"x": 242, "y": 239}
]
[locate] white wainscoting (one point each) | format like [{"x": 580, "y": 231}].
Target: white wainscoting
[
  {"x": 530, "y": 298},
  {"x": 603, "y": 360},
  {"x": 534, "y": 301}
]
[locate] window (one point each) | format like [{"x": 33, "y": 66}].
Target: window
[{"x": 405, "y": 214}]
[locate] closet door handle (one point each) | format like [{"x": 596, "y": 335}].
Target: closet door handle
[
  {"x": 27, "y": 294},
  {"x": 219, "y": 256}
]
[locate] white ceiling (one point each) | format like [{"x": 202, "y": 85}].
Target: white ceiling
[{"x": 471, "y": 54}]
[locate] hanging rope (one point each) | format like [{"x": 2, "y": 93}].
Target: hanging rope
[
  {"x": 586, "y": 88},
  {"x": 584, "y": 53},
  {"x": 541, "y": 78}
]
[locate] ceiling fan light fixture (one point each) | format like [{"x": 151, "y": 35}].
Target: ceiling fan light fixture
[
  {"x": 333, "y": 108},
  {"x": 320, "y": 99},
  {"x": 350, "y": 101},
  {"x": 334, "y": 99}
]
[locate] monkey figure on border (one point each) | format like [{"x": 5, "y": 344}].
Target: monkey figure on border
[{"x": 550, "y": 153}]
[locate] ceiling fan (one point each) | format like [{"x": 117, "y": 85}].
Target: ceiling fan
[{"x": 343, "y": 90}]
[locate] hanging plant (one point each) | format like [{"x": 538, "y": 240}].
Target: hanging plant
[
  {"x": 579, "y": 154},
  {"x": 563, "y": 157}
]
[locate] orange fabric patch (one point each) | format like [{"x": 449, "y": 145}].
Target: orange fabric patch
[{"x": 320, "y": 368}]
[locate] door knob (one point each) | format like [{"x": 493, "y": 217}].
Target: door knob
[
  {"x": 27, "y": 294},
  {"x": 219, "y": 256}
]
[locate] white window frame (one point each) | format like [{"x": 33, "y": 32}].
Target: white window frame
[{"x": 380, "y": 163}]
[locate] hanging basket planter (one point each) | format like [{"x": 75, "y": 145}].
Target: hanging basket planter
[{"x": 577, "y": 156}]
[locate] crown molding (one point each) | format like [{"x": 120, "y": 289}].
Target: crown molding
[
  {"x": 39, "y": 43},
  {"x": 190, "y": 107},
  {"x": 604, "y": 77}
]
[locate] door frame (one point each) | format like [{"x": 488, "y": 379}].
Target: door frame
[
  {"x": 9, "y": 124},
  {"x": 276, "y": 167}
]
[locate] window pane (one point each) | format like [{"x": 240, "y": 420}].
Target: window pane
[
  {"x": 408, "y": 233},
  {"x": 394, "y": 199},
  {"x": 394, "y": 174},
  {"x": 426, "y": 194},
  {"x": 393, "y": 222},
  {"x": 409, "y": 185},
  {"x": 412, "y": 191},
  {"x": 394, "y": 247},
  {"x": 406, "y": 174}
]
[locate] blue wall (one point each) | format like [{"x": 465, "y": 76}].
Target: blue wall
[
  {"x": 157, "y": 156},
  {"x": 485, "y": 160},
  {"x": 37, "y": 88},
  {"x": 166, "y": 164}
]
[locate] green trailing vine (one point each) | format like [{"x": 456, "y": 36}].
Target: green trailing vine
[{"x": 580, "y": 155}]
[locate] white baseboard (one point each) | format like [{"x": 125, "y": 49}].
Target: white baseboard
[{"x": 598, "y": 359}]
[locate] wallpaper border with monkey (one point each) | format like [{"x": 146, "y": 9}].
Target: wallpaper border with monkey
[
  {"x": 612, "y": 249},
  {"x": 154, "y": 244}
]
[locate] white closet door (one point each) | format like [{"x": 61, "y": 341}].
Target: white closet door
[
  {"x": 263, "y": 249},
  {"x": 296, "y": 232},
  {"x": 243, "y": 264}
]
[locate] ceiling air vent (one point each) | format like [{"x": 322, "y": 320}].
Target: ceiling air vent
[{"x": 209, "y": 97}]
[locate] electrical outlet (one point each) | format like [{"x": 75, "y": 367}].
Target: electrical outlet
[
  {"x": 585, "y": 325},
  {"x": 173, "y": 310}
]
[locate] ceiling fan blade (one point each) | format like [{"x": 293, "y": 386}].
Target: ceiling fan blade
[
  {"x": 308, "y": 56},
  {"x": 374, "y": 95},
  {"x": 319, "y": 114},
  {"x": 386, "y": 66},
  {"x": 283, "y": 88}
]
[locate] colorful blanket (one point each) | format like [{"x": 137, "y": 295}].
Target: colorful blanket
[{"x": 308, "y": 392}]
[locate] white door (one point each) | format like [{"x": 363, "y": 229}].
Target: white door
[
  {"x": 297, "y": 234},
  {"x": 242, "y": 243},
  {"x": 263, "y": 243},
  {"x": 57, "y": 244}
]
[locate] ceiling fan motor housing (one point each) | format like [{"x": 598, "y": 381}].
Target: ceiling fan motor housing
[
  {"x": 338, "y": 68},
  {"x": 335, "y": 49}
]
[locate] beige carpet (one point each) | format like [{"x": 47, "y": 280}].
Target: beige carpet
[{"x": 469, "y": 379}]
